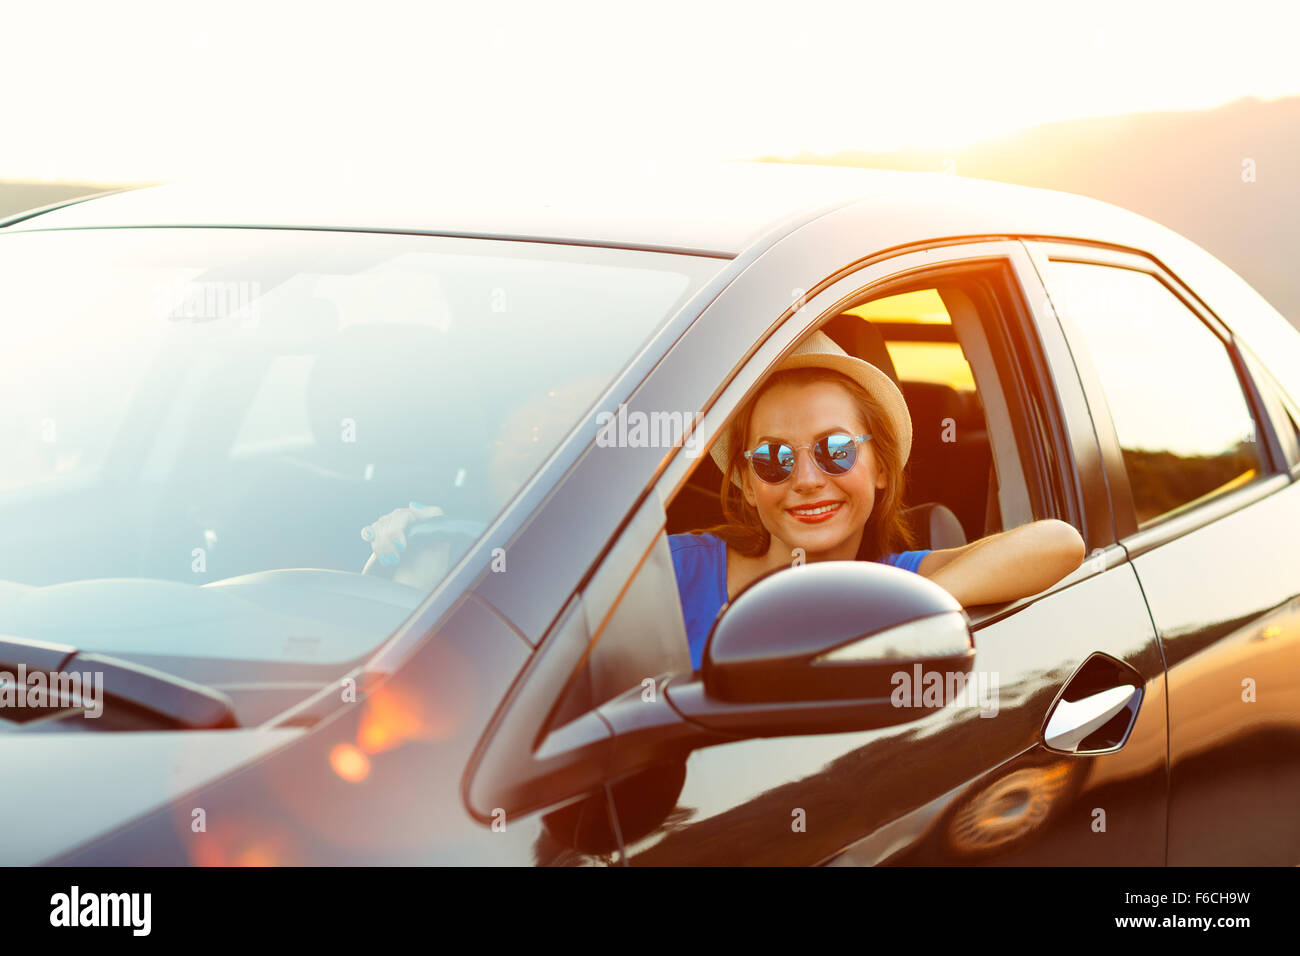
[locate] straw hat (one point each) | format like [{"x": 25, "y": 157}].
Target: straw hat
[{"x": 820, "y": 351}]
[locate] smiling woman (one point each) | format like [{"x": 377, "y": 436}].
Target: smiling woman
[{"x": 813, "y": 471}]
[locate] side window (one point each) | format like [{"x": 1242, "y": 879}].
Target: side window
[
  {"x": 939, "y": 342},
  {"x": 1183, "y": 422}
]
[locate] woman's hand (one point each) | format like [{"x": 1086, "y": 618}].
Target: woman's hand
[
  {"x": 1007, "y": 566},
  {"x": 387, "y": 536}
]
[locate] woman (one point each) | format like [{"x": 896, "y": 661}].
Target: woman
[{"x": 813, "y": 471}]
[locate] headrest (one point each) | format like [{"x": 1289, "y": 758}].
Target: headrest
[{"x": 930, "y": 402}]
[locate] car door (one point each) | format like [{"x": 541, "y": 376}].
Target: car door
[
  {"x": 956, "y": 784},
  {"x": 1199, "y": 455}
]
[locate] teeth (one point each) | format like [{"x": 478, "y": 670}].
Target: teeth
[{"x": 814, "y": 511}]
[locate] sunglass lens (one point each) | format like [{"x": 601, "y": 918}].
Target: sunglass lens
[
  {"x": 773, "y": 463},
  {"x": 836, "y": 454}
]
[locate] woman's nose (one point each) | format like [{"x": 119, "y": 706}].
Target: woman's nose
[{"x": 806, "y": 473}]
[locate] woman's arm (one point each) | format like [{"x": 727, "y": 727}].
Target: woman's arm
[{"x": 1008, "y": 565}]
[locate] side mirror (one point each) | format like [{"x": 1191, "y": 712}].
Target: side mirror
[{"x": 818, "y": 649}]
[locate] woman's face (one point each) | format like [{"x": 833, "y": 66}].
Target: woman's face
[{"x": 800, "y": 415}]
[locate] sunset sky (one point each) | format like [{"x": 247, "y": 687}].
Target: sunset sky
[{"x": 136, "y": 91}]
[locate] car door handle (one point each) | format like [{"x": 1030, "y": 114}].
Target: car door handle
[{"x": 1073, "y": 721}]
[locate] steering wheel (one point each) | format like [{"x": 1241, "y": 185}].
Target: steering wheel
[{"x": 430, "y": 544}]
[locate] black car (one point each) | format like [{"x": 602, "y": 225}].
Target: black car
[{"x": 209, "y": 391}]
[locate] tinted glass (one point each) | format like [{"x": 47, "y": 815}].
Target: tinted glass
[{"x": 1182, "y": 419}]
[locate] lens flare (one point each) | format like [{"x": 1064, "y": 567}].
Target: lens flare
[{"x": 350, "y": 763}]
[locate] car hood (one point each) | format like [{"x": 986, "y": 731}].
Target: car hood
[{"x": 59, "y": 791}]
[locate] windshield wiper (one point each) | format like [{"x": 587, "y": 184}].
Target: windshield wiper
[{"x": 151, "y": 698}]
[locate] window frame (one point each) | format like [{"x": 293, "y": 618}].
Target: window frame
[
  {"x": 1277, "y": 472},
  {"x": 1030, "y": 344},
  {"x": 897, "y": 273}
]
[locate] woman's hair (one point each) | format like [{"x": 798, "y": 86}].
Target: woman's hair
[{"x": 885, "y": 531}]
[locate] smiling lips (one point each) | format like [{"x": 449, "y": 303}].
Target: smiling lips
[{"x": 816, "y": 512}]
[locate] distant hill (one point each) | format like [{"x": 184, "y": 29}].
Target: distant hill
[{"x": 1182, "y": 169}]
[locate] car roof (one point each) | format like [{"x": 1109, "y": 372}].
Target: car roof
[
  {"x": 733, "y": 210},
  {"x": 719, "y": 209}
]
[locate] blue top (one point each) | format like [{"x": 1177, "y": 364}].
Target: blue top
[{"x": 700, "y": 562}]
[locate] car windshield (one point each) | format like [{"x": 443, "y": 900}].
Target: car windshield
[{"x": 198, "y": 422}]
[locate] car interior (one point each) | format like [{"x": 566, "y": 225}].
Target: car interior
[{"x": 932, "y": 343}]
